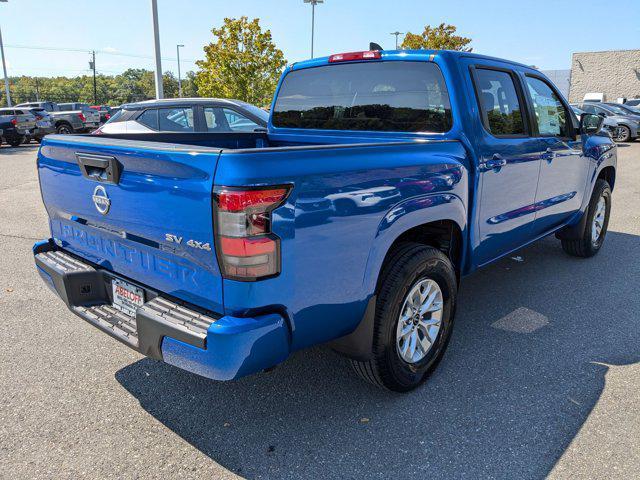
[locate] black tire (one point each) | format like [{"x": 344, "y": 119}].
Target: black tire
[
  {"x": 64, "y": 129},
  {"x": 585, "y": 246},
  {"x": 409, "y": 264},
  {"x": 16, "y": 142},
  {"x": 622, "y": 134}
]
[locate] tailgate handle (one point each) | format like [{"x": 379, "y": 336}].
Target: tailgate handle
[{"x": 99, "y": 168}]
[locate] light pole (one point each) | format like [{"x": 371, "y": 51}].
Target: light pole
[
  {"x": 179, "y": 78},
  {"x": 156, "y": 41},
  {"x": 4, "y": 69},
  {"x": 397, "y": 34},
  {"x": 313, "y": 18}
]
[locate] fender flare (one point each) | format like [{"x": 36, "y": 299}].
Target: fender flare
[{"x": 409, "y": 214}]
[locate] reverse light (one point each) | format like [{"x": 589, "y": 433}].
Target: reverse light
[
  {"x": 247, "y": 249},
  {"x": 352, "y": 56}
]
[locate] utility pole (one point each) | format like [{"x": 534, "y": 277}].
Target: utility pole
[
  {"x": 313, "y": 19},
  {"x": 4, "y": 68},
  {"x": 92, "y": 65},
  {"x": 397, "y": 34},
  {"x": 156, "y": 41},
  {"x": 179, "y": 77}
]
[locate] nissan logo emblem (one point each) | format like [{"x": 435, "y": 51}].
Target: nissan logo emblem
[{"x": 101, "y": 200}]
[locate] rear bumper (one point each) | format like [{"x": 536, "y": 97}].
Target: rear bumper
[{"x": 220, "y": 348}]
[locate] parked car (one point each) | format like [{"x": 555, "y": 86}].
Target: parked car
[
  {"x": 195, "y": 256},
  {"x": 187, "y": 115},
  {"x": 628, "y": 125},
  {"x": 104, "y": 111},
  {"x": 90, "y": 117},
  {"x": 624, "y": 109},
  {"x": 17, "y": 125},
  {"x": 64, "y": 122},
  {"x": 44, "y": 123},
  {"x": 634, "y": 102}
]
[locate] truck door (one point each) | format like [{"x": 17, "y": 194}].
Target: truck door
[
  {"x": 563, "y": 168},
  {"x": 509, "y": 164}
]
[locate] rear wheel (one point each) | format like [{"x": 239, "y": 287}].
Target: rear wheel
[
  {"x": 414, "y": 317},
  {"x": 596, "y": 225},
  {"x": 622, "y": 134},
  {"x": 17, "y": 141},
  {"x": 64, "y": 129}
]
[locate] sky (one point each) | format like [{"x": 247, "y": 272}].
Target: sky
[{"x": 536, "y": 32}]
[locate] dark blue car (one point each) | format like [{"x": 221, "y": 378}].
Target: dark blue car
[{"x": 383, "y": 179}]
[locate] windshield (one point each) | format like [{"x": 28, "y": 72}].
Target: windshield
[
  {"x": 616, "y": 109},
  {"x": 628, "y": 110},
  {"x": 376, "y": 96}
]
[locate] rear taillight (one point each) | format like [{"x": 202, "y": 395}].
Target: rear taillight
[
  {"x": 39, "y": 117},
  {"x": 82, "y": 117},
  {"x": 14, "y": 121},
  {"x": 107, "y": 116},
  {"x": 353, "y": 56},
  {"x": 247, "y": 249}
]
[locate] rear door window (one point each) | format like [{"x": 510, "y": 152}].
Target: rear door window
[
  {"x": 374, "y": 96},
  {"x": 499, "y": 102},
  {"x": 175, "y": 119}
]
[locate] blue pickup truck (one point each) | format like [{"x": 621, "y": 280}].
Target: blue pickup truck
[{"x": 384, "y": 177}]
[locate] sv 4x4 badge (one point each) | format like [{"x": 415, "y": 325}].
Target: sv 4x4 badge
[{"x": 170, "y": 237}]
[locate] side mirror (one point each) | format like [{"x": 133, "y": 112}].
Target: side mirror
[
  {"x": 602, "y": 114},
  {"x": 590, "y": 123}
]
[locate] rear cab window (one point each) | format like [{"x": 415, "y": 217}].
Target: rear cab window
[
  {"x": 500, "y": 104},
  {"x": 393, "y": 96}
]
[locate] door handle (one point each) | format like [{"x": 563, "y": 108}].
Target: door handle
[
  {"x": 496, "y": 162},
  {"x": 99, "y": 168}
]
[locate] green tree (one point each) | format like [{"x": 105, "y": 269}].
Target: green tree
[
  {"x": 242, "y": 62},
  {"x": 189, "y": 87},
  {"x": 442, "y": 37}
]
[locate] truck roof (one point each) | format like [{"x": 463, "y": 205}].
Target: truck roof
[{"x": 415, "y": 55}]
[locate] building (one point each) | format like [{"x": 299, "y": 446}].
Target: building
[
  {"x": 561, "y": 78},
  {"x": 615, "y": 73}
]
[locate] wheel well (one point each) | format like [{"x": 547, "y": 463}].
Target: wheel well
[
  {"x": 445, "y": 235},
  {"x": 609, "y": 175}
]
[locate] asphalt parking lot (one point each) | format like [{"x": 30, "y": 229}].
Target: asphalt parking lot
[{"x": 542, "y": 378}]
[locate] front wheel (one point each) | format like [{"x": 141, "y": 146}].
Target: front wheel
[
  {"x": 414, "y": 316},
  {"x": 597, "y": 222}
]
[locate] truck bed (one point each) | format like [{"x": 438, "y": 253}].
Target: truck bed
[{"x": 357, "y": 194}]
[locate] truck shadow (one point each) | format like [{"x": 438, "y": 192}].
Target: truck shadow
[{"x": 535, "y": 336}]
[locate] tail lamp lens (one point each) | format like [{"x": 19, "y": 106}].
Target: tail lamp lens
[
  {"x": 247, "y": 248},
  {"x": 82, "y": 117}
]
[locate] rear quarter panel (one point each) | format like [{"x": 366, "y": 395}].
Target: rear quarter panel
[{"x": 347, "y": 205}]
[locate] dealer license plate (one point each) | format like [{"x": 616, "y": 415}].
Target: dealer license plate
[{"x": 126, "y": 297}]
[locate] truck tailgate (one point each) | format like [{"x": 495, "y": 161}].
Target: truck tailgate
[{"x": 153, "y": 224}]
